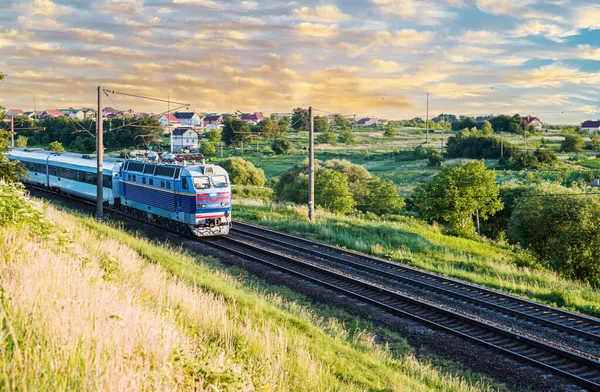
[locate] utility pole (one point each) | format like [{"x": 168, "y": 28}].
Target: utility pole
[
  {"x": 311, "y": 165},
  {"x": 442, "y": 145},
  {"x": 501, "y": 147},
  {"x": 99, "y": 155},
  {"x": 12, "y": 131},
  {"x": 221, "y": 143},
  {"x": 427, "y": 121},
  {"x": 257, "y": 149}
]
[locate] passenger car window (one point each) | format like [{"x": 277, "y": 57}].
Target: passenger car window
[
  {"x": 201, "y": 183},
  {"x": 219, "y": 181}
]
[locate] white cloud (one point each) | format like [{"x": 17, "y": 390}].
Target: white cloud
[
  {"x": 202, "y": 3},
  {"x": 388, "y": 66},
  {"x": 551, "y": 31},
  {"x": 92, "y": 36},
  {"x": 249, "y": 5},
  {"x": 504, "y": 7},
  {"x": 45, "y": 8},
  {"x": 121, "y": 7},
  {"x": 316, "y": 30},
  {"x": 426, "y": 12},
  {"x": 79, "y": 62},
  {"x": 323, "y": 13},
  {"x": 587, "y": 17}
]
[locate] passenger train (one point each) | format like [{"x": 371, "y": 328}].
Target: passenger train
[{"x": 191, "y": 197}]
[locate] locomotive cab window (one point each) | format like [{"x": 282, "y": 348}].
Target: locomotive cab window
[
  {"x": 219, "y": 181},
  {"x": 201, "y": 182},
  {"x": 184, "y": 183}
]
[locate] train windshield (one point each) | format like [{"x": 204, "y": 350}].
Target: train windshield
[
  {"x": 219, "y": 181},
  {"x": 201, "y": 183}
]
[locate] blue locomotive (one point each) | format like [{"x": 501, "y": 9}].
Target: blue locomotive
[{"x": 180, "y": 196}]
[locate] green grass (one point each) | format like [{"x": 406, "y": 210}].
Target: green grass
[{"x": 409, "y": 241}]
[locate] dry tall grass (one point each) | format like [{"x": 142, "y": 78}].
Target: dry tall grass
[{"x": 87, "y": 312}]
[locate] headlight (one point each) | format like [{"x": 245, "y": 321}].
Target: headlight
[
  {"x": 201, "y": 205},
  {"x": 225, "y": 204}
]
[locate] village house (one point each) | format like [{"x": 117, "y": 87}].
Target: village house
[
  {"x": 212, "y": 119},
  {"x": 189, "y": 119},
  {"x": 13, "y": 113},
  {"x": 367, "y": 121},
  {"x": 75, "y": 114},
  {"x": 51, "y": 113},
  {"x": 590, "y": 126},
  {"x": 168, "y": 120},
  {"x": 252, "y": 118},
  {"x": 184, "y": 138},
  {"x": 533, "y": 121}
]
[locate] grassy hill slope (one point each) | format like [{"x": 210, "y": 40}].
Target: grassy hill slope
[{"x": 86, "y": 306}]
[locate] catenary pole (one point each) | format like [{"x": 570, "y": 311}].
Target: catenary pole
[
  {"x": 427, "y": 121},
  {"x": 311, "y": 165},
  {"x": 12, "y": 130},
  {"x": 99, "y": 155}
]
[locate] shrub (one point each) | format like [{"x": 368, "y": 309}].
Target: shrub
[
  {"x": 434, "y": 158},
  {"x": 281, "y": 146},
  {"x": 252, "y": 192},
  {"x": 382, "y": 197},
  {"x": 562, "y": 232},
  {"x": 332, "y": 193},
  {"x": 390, "y": 131},
  {"x": 56, "y": 147},
  {"x": 213, "y": 136},
  {"x": 572, "y": 143},
  {"x": 326, "y": 138},
  {"x": 242, "y": 172},
  {"x": 207, "y": 148},
  {"x": 346, "y": 136},
  {"x": 21, "y": 141},
  {"x": 17, "y": 210}
]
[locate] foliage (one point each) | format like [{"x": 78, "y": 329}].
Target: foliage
[
  {"x": 213, "y": 136},
  {"x": 463, "y": 122},
  {"x": 235, "y": 131},
  {"x": 242, "y": 172},
  {"x": 21, "y": 141},
  {"x": 486, "y": 128},
  {"x": 572, "y": 143},
  {"x": 562, "y": 232},
  {"x": 456, "y": 193},
  {"x": 17, "y": 210},
  {"x": 332, "y": 192},
  {"x": 281, "y": 146},
  {"x": 300, "y": 119},
  {"x": 382, "y": 197},
  {"x": 390, "y": 131},
  {"x": 504, "y": 123},
  {"x": 283, "y": 125},
  {"x": 341, "y": 122},
  {"x": 595, "y": 141},
  {"x": 321, "y": 124},
  {"x": 326, "y": 138},
  {"x": 346, "y": 136},
  {"x": 9, "y": 171},
  {"x": 269, "y": 127},
  {"x": 434, "y": 157},
  {"x": 467, "y": 145},
  {"x": 532, "y": 160},
  {"x": 252, "y": 192},
  {"x": 207, "y": 148},
  {"x": 55, "y": 146}
]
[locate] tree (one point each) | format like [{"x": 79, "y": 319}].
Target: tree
[
  {"x": 243, "y": 172},
  {"x": 55, "y": 146},
  {"x": 283, "y": 126},
  {"x": 300, "y": 119},
  {"x": 235, "y": 131},
  {"x": 207, "y": 148},
  {"x": 22, "y": 141},
  {"x": 382, "y": 197},
  {"x": 486, "y": 128},
  {"x": 458, "y": 193},
  {"x": 390, "y": 131},
  {"x": 281, "y": 146},
  {"x": 213, "y": 136},
  {"x": 562, "y": 232},
  {"x": 321, "y": 124},
  {"x": 463, "y": 122},
  {"x": 595, "y": 141},
  {"x": 341, "y": 122},
  {"x": 434, "y": 157},
  {"x": 346, "y": 136},
  {"x": 572, "y": 143},
  {"x": 10, "y": 171},
  {"x": 326, "y": 138},
  {"x": 268, "y": 127},
  {"x": 332, "y": 193}
]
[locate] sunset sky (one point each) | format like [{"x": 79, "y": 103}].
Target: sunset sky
[{"x": 369, "y": 57}]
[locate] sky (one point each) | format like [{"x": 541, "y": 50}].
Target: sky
[{"x": 365, "y": 57}]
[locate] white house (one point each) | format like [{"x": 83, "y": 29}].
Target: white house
[
  {"x": 75, "y": 114},
  {"x": 367, "y": 121},
  {"x": 533, "y": 121},
  {"x": 252, "y": 118},
  {"x": 189, "y": 119},
  {"x": 184, "y": 139},
  {"x": 590, "y": 126},
  {"x": 169, "y": 120}
]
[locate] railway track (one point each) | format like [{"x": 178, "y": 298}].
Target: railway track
[
  {"x": 336, "y": 268},
  {"x": 580, "y": 367}
]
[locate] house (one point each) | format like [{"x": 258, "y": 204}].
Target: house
[
  {"x": 14, "y": 113},
  {"x": 367, "y": 121},
  {"x": 212, "y": 119},
  {"x": 184, "y": 138},
  {"x": 51, "y": 113},
  {"x": 590, "y": 126},
  {"x": 76, "y": 114},
  {"x": 533, "y": 121},
  {"x": 168, "y": 120},
  {"x": 252, "y": 118},
  {"x": 188, "y": 119},
  {"x": 382, "y": 121},
  {"x": 109, "y": 112},
  {"x": 33, "y": 115},
  {"x": 89, "y": 113}
]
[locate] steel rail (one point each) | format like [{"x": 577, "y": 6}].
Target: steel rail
[
  {"x": 548, "y": 357},
  {"x": 444, "y": 285}
]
